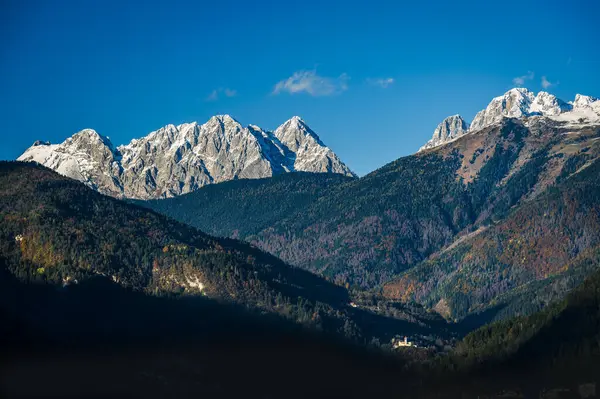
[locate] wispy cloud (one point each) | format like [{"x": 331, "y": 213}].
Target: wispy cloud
[
  {"x": 520, "y": 80},
  {"x": 569, "y": 61},
  {"x": 311, "y": 83},
  {"x": 546, "y": 84},
  {"x": 382, "y": 82},
  {"x": 218, "y": 93}
]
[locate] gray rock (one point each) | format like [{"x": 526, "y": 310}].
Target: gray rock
[{"x": 179, "y": 159}]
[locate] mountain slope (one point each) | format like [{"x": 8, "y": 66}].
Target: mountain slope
[
  {"x": 108, "y": 341},
  {"x": 180, "y": 159},
  {"x": 558, "y": 348},
  {"x": 366, "y": 232},
  {"x": 532, "y": 257},
  {"x": 57, "y": 231},
  {"x": 554, "y": 353},
  {"x": 243, "y": 207}
]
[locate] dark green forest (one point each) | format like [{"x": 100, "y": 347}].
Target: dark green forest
[
  {"x": 116, "y": 298},
  {"x": 502, "y": 222},
  {"x": 57, "y": 231}
]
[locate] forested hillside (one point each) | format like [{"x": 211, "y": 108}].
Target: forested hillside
[
  {"x": 239, "y": 208},
  {"x": 59, "y": 232},
  {"x": 540, "y": 251},
  {"x": 366, "y": 232},
  {"x": 554, "y": 353},
  {"x": 127, "y": 296},
  {"x": 99, "y": 339}
]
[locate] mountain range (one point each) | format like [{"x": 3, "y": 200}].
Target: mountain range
[
  {"x": 446, "y": 227},
  {"x": 518, "y": 103},
  {"x": 482, "y": 250},
  {"x": 179, "y": 159},
  {"x": 123, "y": 300}
]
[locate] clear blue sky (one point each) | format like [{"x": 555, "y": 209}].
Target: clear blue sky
[{"x": 127, "y": 69}]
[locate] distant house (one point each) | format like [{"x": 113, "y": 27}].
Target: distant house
[
  {"x": 398, "y": 343},
  {"x": 19, "y": 238},
  {"x": 353, "y": 305}
]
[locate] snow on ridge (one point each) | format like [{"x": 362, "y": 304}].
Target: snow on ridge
[
  {"x": 175, "y": 160},
  {"x": 519, "y": 103}
]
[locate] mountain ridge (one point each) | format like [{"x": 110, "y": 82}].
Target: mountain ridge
[
  {"x": 366, "y": 232},
  {"x": 178, "y": 159},
  {"x": 518, "y": 102}
]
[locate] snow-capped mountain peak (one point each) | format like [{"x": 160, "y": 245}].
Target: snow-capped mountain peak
[
  {"x": 310, "y": 152},
  {"x": 86, "y": 137},
  {"x": 178, "y": 159},
  {"x": 519, "y": 103},
  {"x": 582, "y": 101},
  {"x": 294, "y": 132},
  {"x": 225, "y": 119},
  {"x": 514, "y": 103},
  {"x": 547, "y": 104}
]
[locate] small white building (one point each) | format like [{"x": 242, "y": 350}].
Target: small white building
[{"x": 398, "y": 343}]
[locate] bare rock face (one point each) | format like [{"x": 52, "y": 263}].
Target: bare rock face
[
  {"x": 451, "y": 128},
  {"x": 310, "y": 154},
  {"x": 175, "y": 160},
  {"x": 522, "y": 104},
  {"x": 85, "y": 156}
]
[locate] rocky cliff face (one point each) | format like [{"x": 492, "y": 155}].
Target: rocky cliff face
[
  {"x": 451, "y": 128},
  {"x": 179, "y": 159},
  {"x": 307, "y": 151}
]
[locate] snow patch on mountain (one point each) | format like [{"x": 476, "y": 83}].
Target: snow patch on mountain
[{"x": 520, "y": 103}]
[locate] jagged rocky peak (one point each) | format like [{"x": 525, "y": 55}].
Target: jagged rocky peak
[
  {"x": 547, "y": 104},
  {"x": 451, "y": 128},
  {"x": 519, "y": 103},
  {"x": 175, "y": 160},
  {"x": 310, "y": 154},
  {"x": 224, "y": 118},
  {"x": 295, "y": 132},
  {"x": 86, "y": 138},
  {"x": 582, "y": 101},
  {"x": 223, "y": 121},
  {"x": 514, "y": 103}
]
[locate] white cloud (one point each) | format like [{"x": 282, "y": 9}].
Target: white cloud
[
  {"x": 383, "y": 83},
  {"x": 213, "y": 96},
  {"x": 546, "y": 84},
  {"x": 520, "y": 80},
  {"x": 229, "y": 92},
  {"x": 217, "y": 93},
  {"x": 313, "y": 84}
]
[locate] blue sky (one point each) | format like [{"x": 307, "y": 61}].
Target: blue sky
[{"x": 372, "y": 78}]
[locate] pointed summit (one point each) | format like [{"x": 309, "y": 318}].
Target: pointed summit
[
  {"x": 582, "y": 101},
  {"x": 548, "y": 104},
  {"x": 294, "y": 132},
  {"x": 225, "y": 118},
  {"x": 312, "y": 155},
  {"x": 450, "y": 129},
  {"x": 514, "y": 103},
  {"x": 296, "y": 119},
  {"x": 87, "y": 138}
]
